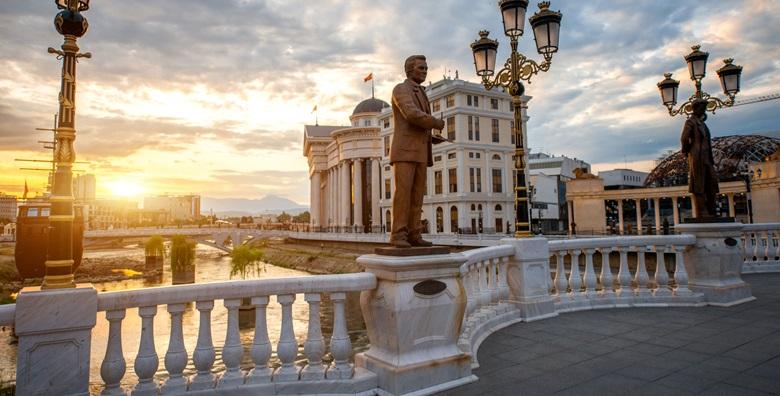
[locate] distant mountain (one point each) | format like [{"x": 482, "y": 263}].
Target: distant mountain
[{"x": 270, "y": 204}]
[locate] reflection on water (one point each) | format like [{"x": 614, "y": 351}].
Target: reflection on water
[{"x": 207, "y": 270}]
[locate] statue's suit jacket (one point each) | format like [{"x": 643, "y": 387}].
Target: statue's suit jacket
[
  {"x": 696, "y": 144},
  {"x": 413, "y": 124}
]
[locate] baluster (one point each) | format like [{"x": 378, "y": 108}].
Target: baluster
[
  {"x": 680, "y": 275},
  {"x": 641, "y": 277},
  {"x": 624, "y": 275},
  {"x": 493, "y": 271},
  {"x": 661, "y": 276},
  {"x": 468, "y": 284},
  {"x": 314, "y": 347},
  {"x": 112, "y": 370},
  {"x": 590, "y": 274},
  {"x": 204, "y": 354},
  {"x": 261, "y": 346},
  {"x": 776, "y": 242},
  {"x": 561, "y": 285},
  {"x": 287, "y": 347},
  {"x": 606, "y": 273},
  {"x": 176, "y": 355},
  {"x": 146, "y": 361},
  {"x": 484, "y": 292},
  {"x": 232, "y": 351},
  {"x": 767, "y": 241},
  {"x": 503, "y": 284},
  {"x": 575, "y": 280},
  {"x": 340, "y": 346},
  {"x": 755, "y": 245},
  {"x": 745, "y": 240}
]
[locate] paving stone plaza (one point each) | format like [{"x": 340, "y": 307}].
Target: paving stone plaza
[{"x": 648, "y": 351}]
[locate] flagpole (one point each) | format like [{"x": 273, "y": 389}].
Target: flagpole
[{"x": 372, "y": 87}]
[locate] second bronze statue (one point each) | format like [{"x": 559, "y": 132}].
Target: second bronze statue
[{"x": 411, "y": 153}]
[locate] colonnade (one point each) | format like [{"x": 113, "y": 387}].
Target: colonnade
[{"x": 338, "y": 195}]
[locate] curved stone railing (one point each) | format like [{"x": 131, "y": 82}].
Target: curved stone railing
[
  {"x": 761, "y": 243},
  {"x": 576, "y": 285},
  {"x": 308, "y": 379}
]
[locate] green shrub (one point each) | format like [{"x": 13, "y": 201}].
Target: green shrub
[
  {"x": 154, "y": 246},
  {"x": 245, "y": 260},
  {"x": 182, "y": 254}
]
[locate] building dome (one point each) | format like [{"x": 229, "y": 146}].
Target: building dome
[
  {"x": 372, "y": 105},
  {"x": 732, "y": 154}
]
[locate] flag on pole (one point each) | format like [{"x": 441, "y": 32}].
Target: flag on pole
[
  {"x": 24, "y": 196},
  {"x": 370, "y": 76},
  {"x": 314, "y": 109}
]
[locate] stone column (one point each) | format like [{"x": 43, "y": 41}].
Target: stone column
[
  {"x": 731, "y": 204},
  {"x": 620, "y": 215},
  {"x": 657, "y": 210},
  {"x": 638, "y": 205},
  {"x": 376, "y": 180},
  {"x": 675, "y": 211},
  {"x": 330, "y": 198},
  {"x": 337, "y": 195},
  {"x": 461, "y": 172},
  {"x": 346, "y": 194},
  {"x": 570, "y": 213},
  {"x": 315, "y": 199},
  {"x": 422, "y": 289},
  {"x": 54, "y": 327},
  {"x": 714, "y": 263},
  {"x": 358, "y": 208}
]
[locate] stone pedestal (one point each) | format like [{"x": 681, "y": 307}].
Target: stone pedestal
[
  {"x": 413, "y": 318},
  {"x": 55, "y": 330},
  {"x": 714, "y": 263},
  {"x": 528, "y": 276}
]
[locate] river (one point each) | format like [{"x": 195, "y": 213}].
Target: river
[{"x": 213, "y": 268}]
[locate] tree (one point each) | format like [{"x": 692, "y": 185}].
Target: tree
[
  {"x": 283, "y": 218},
  {"x": 182, "y": 254},
  {"x": 245, "y": 260},
  {"x": 304, "y": 217},
  {"x": 154, "y": 246}
]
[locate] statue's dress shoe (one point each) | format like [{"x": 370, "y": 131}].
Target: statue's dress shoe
[
  {"x": 400, "y": 243},
  {"x": 420, "y": 242}
]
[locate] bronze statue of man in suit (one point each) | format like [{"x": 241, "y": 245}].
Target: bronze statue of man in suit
[
  {"x": 702, "y": 178},
  {"x": 410, "y": 153}
]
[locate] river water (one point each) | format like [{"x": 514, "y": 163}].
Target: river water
[{"x": 208, "y": 269}]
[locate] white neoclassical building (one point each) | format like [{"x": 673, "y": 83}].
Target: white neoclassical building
[{"x": 469, "y": 187}]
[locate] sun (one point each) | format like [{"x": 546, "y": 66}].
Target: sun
[{"x": 125, "y": 188}]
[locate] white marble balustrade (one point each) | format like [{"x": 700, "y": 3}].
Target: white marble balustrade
[
  {"x": 761, "y": 247},
  {"x": 584, "y": 279},
  {"x": 314, "y": 374}
]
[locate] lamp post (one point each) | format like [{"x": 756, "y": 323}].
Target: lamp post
[
  {"x": 59, "y": 262},
  {"x": 546, "y": 26},
  {"x": 729, "y": 75}
]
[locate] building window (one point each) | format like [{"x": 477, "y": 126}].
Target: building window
[
  {"x": 471, "y": 127},
  {"x": 387, "y": 146},
  {"x": 437, "y": 183},
  {"x": 450, "y": 100},
  {"x": 477, "y": 155},
  {"x": 496, "y": 157},
  {"x": 471, "y": 154},
  {"x": 475, "y": 179},
  {"x": 497, "y": 185},
  {"x": 386, "y": 123},
  {"x": 435, "y": 106},
  {"x": 499, "y": 225},
  {"x": 451, "y": 128},
  {"x": 494, "y": 104},
  {"x": 468, "y": 100},
  {"x": 439, "y": 220},
  {"x": 472, "y": 100},
  {"x": 388, "y": 221},
  {"x": 494, "y": 130},
  {"x": 498, "y": 208},
  {"x": 452, "y": 155},
  {"x": 387, "y": 188},
  {"x": 454, "y": 219},
  {"x": 436, "y": 158},
  {"x": 476, "y": 128},
  {"x": 452, "y": 175},
  {"x": 366, "y": 122}
]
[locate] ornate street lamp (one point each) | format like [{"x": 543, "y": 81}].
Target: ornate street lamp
[
  {"x": 59, "y": 263},
  {"x": 546, "y": 26},
  {"x": 729, "y": 76}
]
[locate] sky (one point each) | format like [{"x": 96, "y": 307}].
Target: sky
[{"x": 210, "y": 97}]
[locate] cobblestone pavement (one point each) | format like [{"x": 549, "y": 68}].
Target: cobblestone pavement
[{"x": 640, "y": 351}]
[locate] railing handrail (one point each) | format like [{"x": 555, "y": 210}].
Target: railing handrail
[
  {"x": 761, "y": 227},
  {"x": 622, "y": 241},
  {"x": 161, "y": 295},
  {"x": 7, "y": 313},
  {"x": 487, "y": 253}
]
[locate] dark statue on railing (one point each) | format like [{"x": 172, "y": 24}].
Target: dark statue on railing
[{"x": 702, "y": 178}]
